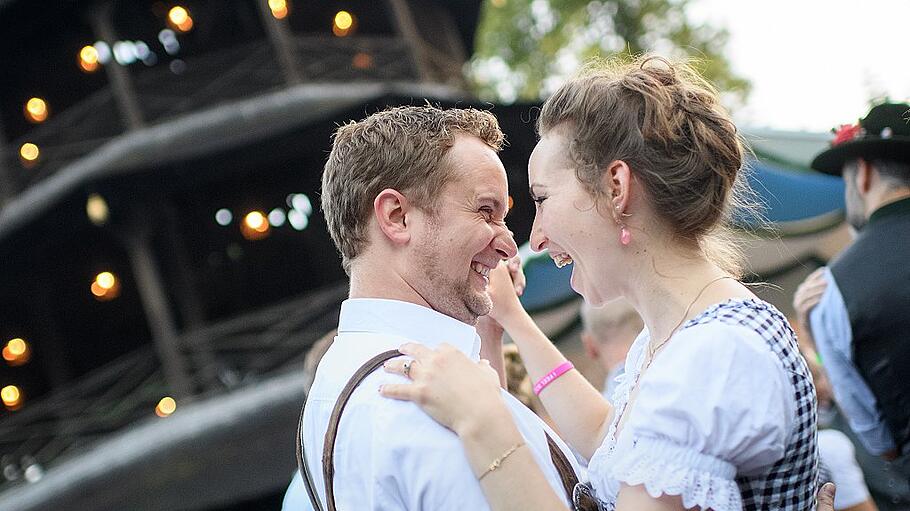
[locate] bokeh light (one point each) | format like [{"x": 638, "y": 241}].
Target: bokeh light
[
  {"x": 16, "y": 352},
  {"x": 12, "y": 397},
  {"x": 279, "y": 8},
  {"x": 343, "y": 23},
  {"x": 36, "y": 110},
  {"x": 362, "y": 61},
  {"x": 106, "y": 286},
  {"x": 180, "y": 18},
  {"x": 29, "y": 153},
  {"x": 166, "y": 406},
  {"x": 224, "y": 217},
  {"x": 96, "y": 209},
  {"x": 277, "y": 217},
  {"x": 298, "y": 220},
  {"x": 255, "y": 226},
  {"x": 88, "y": 59}
]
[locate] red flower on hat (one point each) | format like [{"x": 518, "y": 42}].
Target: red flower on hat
[{"x": 846, "y": 133}]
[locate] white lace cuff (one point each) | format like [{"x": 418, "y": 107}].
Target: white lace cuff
[{"x": 665, "y": 467}]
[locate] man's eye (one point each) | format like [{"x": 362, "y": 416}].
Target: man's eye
[{"x": 487, "y": 212}]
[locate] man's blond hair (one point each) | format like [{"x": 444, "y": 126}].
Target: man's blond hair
[{"x": 402, "y": 148}]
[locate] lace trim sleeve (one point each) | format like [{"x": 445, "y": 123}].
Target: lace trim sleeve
[{"x": 665, "y": 467}]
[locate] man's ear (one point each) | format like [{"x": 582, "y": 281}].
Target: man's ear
[
  {"x": 863, "y": 176},
  {"x": 617, "y": 182},
  {"x": 391, "y": 209}
]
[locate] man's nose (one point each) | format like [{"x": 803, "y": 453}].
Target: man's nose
[
  {"x": 538, "y": 240},
  {"x": 504, "y": 244}
]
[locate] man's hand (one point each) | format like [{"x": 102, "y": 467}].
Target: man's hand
[
  {"x": 826, "y": 497},
  {"x": 807, "y": 296}
]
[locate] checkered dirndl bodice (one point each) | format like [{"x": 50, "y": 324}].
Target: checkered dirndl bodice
[{"x": 791, "y": 483}]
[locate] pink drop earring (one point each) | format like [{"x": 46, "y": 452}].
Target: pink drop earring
[{"x": 625, "y": 236}]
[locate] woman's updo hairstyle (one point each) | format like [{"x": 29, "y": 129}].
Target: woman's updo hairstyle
[{"x": 665, "y": 121}]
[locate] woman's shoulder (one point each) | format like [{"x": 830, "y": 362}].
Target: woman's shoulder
[
  {"x": 724, "y": 356},
  {"x": 734, "y": 330}
]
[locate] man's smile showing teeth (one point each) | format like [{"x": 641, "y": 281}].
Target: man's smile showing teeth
[
  {"x": 561, "y": 260},
  {"x": 480, "y": 269}
]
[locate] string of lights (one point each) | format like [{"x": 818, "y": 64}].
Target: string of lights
[{"x": 332, "y": 53}]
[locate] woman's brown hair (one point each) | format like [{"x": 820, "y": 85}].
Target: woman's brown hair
[{"x": 666, "y": 122}]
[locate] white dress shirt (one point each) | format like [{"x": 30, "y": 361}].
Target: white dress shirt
[{"x": 389, "y": 454}]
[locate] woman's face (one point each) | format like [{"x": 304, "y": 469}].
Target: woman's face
[{"x": 568, "y": 224}]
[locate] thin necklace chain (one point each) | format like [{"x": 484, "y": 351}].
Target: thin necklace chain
[{"x": 654, "y": 350}]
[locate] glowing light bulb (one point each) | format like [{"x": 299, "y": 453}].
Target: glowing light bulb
[
  {"x": 96, "y": 209},
  {"x": 36, "y": 110},
  {"x": 279, "y": 8},
  {"x": 343, "y": 23},
  {"x": 106, "y": 286},
  {"x": 180, "y": 18},
  {"x": 11, "y": 396},
  {"x": 88, "y": 59},
  {"x": 255, "y": 226},
  {"x": 166, "y": 406},
  {"x": 29, "y": 152},
  {"x": 16, "y": 352}
]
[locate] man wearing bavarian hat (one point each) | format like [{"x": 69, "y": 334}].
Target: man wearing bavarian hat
[{"x": 861, "y": 323}]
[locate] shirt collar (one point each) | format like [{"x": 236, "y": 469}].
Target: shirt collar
[
  {"x": 412, "y": 321},
  {"x": 897, "y": 207}
]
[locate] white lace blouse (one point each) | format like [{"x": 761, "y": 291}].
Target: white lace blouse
[{"x": 715, "y": 403}]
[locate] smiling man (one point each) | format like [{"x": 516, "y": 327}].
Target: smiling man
[{"x": 415, "y": 200}]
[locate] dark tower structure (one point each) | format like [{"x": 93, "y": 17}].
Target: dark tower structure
[{"x": 163, "y": 257}]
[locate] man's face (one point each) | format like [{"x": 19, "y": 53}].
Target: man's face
[
  {"x": 856, "y": 206},
  {"x": 467, "y": 237}
]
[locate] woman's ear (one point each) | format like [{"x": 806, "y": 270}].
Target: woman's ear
[
  {"x": 617, "y": 182},
  {"x": 391, "y": 209}
]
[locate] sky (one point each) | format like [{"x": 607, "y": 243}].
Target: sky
[{"x": 813, "y": 64}]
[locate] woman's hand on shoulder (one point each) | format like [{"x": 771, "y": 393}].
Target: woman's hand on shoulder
[{"x": 457, "y": 392}]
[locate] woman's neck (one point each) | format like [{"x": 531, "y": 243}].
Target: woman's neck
[{"x": 671, "y": 289}]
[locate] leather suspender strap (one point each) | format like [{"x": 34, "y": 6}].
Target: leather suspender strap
[
  {"x": 303, "y": 468},
  {"x": 328, "y": 464},
  {"x": 563, "y": 467},
  {"x": 560, "y": 462}
]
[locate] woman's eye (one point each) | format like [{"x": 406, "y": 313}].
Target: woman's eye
[{"x": 538, "y": 200}]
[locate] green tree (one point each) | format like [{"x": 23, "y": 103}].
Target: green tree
[{"x": 525, "y": 48}]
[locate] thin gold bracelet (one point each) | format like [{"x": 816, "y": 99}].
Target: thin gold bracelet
[{"x": 498, "y": 461}]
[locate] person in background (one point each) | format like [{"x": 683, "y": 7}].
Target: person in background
[
  {"x": 295, "y": 497},
  {"x": 607, "y": 334},
  {"x": 838, "y": 455},
  {"x": 861, "y": 324}
]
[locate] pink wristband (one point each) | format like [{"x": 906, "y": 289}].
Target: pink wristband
[{"x": 550, "y": 377}]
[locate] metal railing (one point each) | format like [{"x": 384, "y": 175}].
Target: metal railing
[
  {"x": 222, "y": 357},
  {"x": 239, "y": 72}
]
